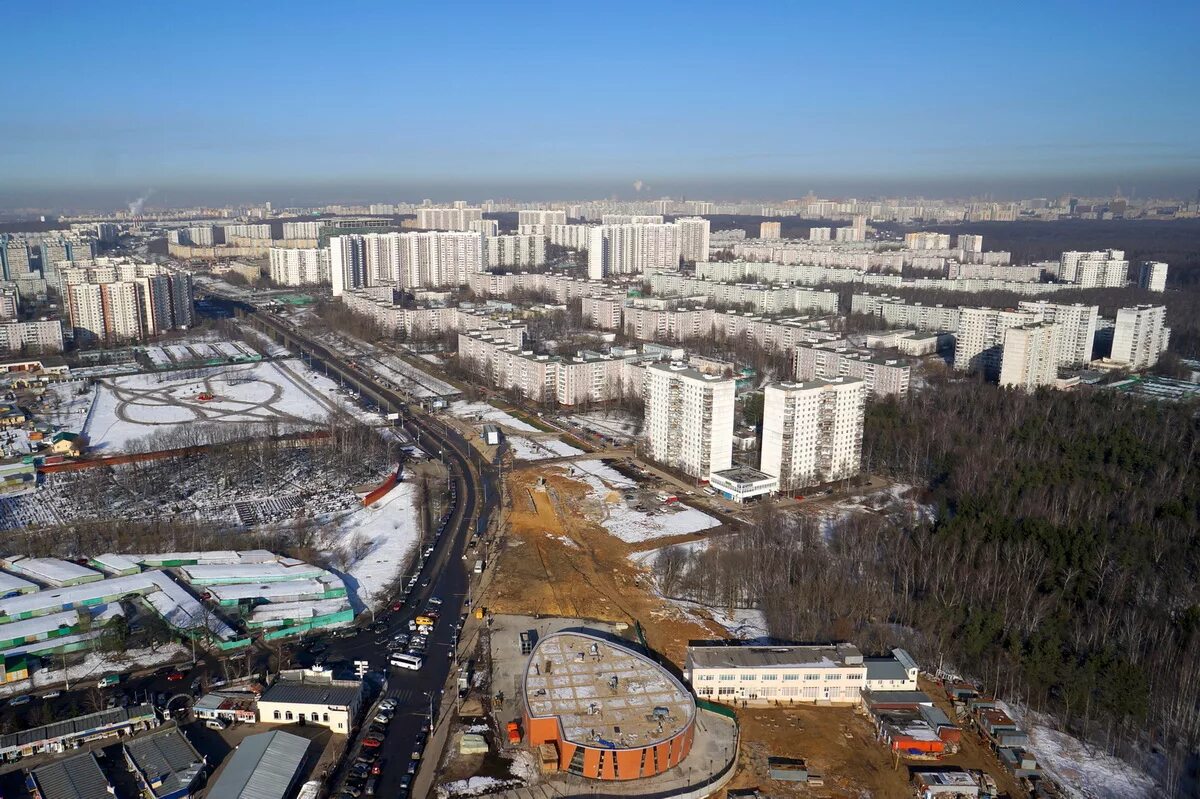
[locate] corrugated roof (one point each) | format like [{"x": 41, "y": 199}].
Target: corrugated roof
[
  {"x": 263, "y": 766},
  {"x": 166, "y": 759},
  {"x": 77, "y": 725},
  {"x": 77, "y": 777}
]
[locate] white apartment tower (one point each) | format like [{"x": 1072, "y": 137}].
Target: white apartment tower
[
  {"x": 1140, "y": 336},
  {"x": 1092, "y": 270},
  {"x": 693, "y": 238},
  {"x": 770, "y": 230},
  {"x": 1031, "y": 356},
  {"x": 1152, "y": 275},
  {"x": 1077, "y": 328},
  {"x": 406, "y": 260},
  {"x": 631, "y": 249},
  {"x": 689, "y": 418},
  {"x": 820, "y": 234},
  {"x": 980, "y": 337},
  {"x": 484, "y": 227},
  {"x": 812, "y": 431},
  {"x": 970, "y": 243},
  {"x": 292, "y": 266}
]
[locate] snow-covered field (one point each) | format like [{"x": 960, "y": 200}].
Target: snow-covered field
[
  {"x": 614, "y": 424},
  {"x": 528, "y": 449},
  {"x": 284, "y": 393},
  {"x": 388, "y": 532},
  {"x": 96, "y": 665},
  {"x": 483, "y": 413},
  {"x": 631, "y": 525},
  {"x": 1083, "y": 772}
]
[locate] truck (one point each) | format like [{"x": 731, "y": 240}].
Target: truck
[
  {"x": 479, "y": 567},
  {"x": 111, "y": 679},
  {"x": 514, "y": 732}
]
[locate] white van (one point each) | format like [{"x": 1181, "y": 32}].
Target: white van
[
  {"x": 215, "y": 724},
  {"x": 403, "y": 661}
]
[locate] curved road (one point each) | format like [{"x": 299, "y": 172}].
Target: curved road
[{"x": 443, "y": 575}]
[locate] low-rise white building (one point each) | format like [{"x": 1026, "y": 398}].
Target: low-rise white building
[
  {"x": 312, "y": 697},
  {"x": 762, "y": 675}
]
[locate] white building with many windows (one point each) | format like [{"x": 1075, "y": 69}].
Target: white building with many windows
[
  {"x": 812, "y": 431},
  {"x": 689, "y": 418},
  {"x": 1140, "y": 336},
  {"x": 1077, "y": 328},
  {"x": 765, "y": 675},
  {"x": 694, "y": 232},
  {"x": 294, "y": 266},
  {"x": 545, "y": 217},
  {"x": 1152, "y": 275},
  {"x": 1098, "y": 269},
  {"x": 980, "y": 339},
  {"x": 404, "y": 260},
  {"x": 631, "y": 249},
  {"x": 447, "y": 218},
  {"x": 1031, "y": 356}
]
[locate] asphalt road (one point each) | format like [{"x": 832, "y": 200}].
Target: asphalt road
[{"x": 444, "y": 575}]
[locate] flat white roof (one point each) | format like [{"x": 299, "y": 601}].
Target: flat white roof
[
  {"x": 50, "y": 570},
  {"x": 170, "y": 599},
  {"x": 117, "y": 563},
  {"x": 297, "y": 610},
  {"x": 210, "y": 556},
  {"x": 39, "y": 625},
  {"x": 11, "y": 582},
  {"x": 268, "y": 590},
  {"x": 249, "y": 572}
]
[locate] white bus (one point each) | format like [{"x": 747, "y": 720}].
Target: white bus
[{"x": 403, "y": 661}]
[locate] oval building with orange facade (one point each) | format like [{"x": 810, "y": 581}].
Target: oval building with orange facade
[{"x": 610, "y": 712}]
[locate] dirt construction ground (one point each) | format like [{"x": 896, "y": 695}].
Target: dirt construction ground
[{"x": 557, "y": 561}]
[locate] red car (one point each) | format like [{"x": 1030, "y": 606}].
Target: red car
[
  {"x": 174, "y": 676},
  {"x": 397, "y": 606},
  {"x": 377, "y": 767},
  {"x": 372, "y": 741}
]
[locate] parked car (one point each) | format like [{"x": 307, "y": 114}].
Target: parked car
[
  {"x": 175, "y": 676},
  {"x": 215, "y": 724},
  {"x": 372, "y": 741},
  {"x": 388, "y": 704},
  {"x": 17, "y": 701}
]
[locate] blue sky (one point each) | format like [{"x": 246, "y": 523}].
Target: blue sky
[{"x": 499, "y": 99}]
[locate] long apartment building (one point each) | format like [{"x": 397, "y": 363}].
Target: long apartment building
[
  {"x": 514, "y": 250},
  {"x": 1077, "y": 328},
  {"x": 804, "y": 274},
  {"x": 812, "y": 431},
  {"x": 979, "y": 343},
  {"x": 563, "y": 288},
  {"x": 760, "y": 298},
  {"x": 378, "y": 305},
  {"x": 689, "y": 419},
  {"x": 632, "y": 249},
  {"x": 581, "y": 378},
  {"x": 299, "y": 266},
  {"x": 1030, "y": 357},
  {"x": 544, "y": 217},
  {"x": 125, "y": 301},
  {"x": 572, "y": 237},
  {"x": 667, "y": 324},
  {"x": 405, "y": 260},
  {"x": 447, "y": 218},
  {"x": 1140, "y": 336},
  {"x": 1098, "y": 269},
  {"x": 42, "y": 335},
  {"x": 882, "y": 377},
  {"x": 899, "y": 312}
]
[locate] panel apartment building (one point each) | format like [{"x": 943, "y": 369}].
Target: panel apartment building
[
  {"x": 689, "y": 419},
  {"x": 447, "y": 218},
  {"x": 812, "y": 431},
  {"x": 122, "y": 301},
  {"x": 1031, "y": 356},
  {"x": 631, "y": 249},
  {"x": 404, "y": 260},
  {"x": 882, "y": 377},
  {"x": 1077, "y": 328},
  {"x": 1098, "y": 269},
  {"x": 1140, "y": 336},
  {"x": 980, "y": 340},
  {"x": 299, "y": 266}
]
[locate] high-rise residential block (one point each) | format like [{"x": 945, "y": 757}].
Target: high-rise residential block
[
  {"x": 631, "y": 219},
  {"x": 1098, "y": 269},
  {"x": 820, "y": 234},
  {"x": 1077, "y": 328},
  {"x": 127, "y": 301},
  {"x": 631, "y": 249},
  {"x": 41, "y": 335},
  {"x": 299, "y": 266},
  {"x": 770, "y": 230},
  {"x": 107, "y": 232},
  {"x": 485, "y": 227},
  {"x": 301, "y": 230},
  {"x": 542, "y": 217},
  {"x": 688, "y": 419},
  {"x": 693, "y": 238},
  {"x": 1030, "y": 357},
  {"x": 812, "y": 431},
  {"x": 456, "y": 218},
  {"x": 15, "y": 257},
  {"x": 1140, "y": 336},
  {"x": 980, "y": 338},
  {"x": 850, "y": 233},
  {"x": 970, "y": 243},
  {"x": 1152, "y": 275},
  {"x": 404, "y": 260},
  {"x": 514, "y": 250},
  {"x": 924, "y": 240}
]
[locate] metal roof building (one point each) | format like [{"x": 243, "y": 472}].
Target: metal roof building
[
  {"x": 264, "y": 766},
  {"x": 61, "y": 734},
  {"x": 77, "y": 777},
  {"x": 165, "y": 763}
]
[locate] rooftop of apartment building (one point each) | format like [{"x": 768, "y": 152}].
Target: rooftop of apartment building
[
  {"x": 752, "y": 657},
  {"x": 683, "y": 370}
]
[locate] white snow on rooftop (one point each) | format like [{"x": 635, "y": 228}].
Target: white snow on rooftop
[
  {"x": 49, "y": 570},
  {"x": 115, "y": 562},
  {"x": 10, "y": 583},
  {"x": 170, "y": 599},
  {"x": 213, "y": 556},
  {"x": 250, "y": 572},
  {"x": 269, "y": 590},
  {"x": 281, "y": 611},
  {"x": 38, "y": 625}
]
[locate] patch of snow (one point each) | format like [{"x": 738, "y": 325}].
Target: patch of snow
[
  {"x": 483, "y": 412},
  {"x": 94, "y": 666},
  {"x": 523, "y": 766},
  {"x": 528, "y": 449},
  {"x": 629, "y": 524},
  {"x": 614, "y": 424},
  {"x": 562, "y": 539},
  {"x": 1083, "y": 771},
  {"x": 475, "y": 786},
  {"x": 388, "y": 531}
]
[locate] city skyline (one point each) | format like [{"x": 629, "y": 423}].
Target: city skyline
[{"x": 494, "y": 103}]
